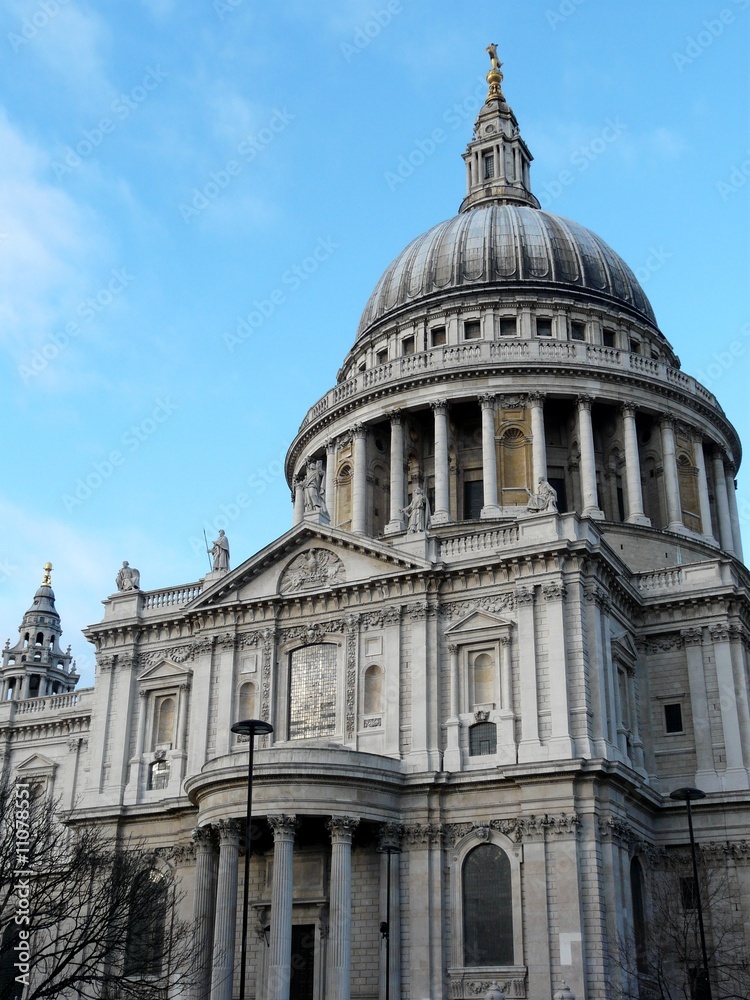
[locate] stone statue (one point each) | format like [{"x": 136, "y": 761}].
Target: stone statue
[
  {"x": 545, "y": 497},
  {"x": 492, "y": 49},
  {"x": 313, "y": 488},
  {"x": 418, "y": 511},
  {"x": 128, "y": 578},
  {"x": 220, "y": 553}
]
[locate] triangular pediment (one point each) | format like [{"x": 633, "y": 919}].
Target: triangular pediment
[
  {"x": 309, "y": 559},
  {"x": 624, "y": 645},
  {"x": 479, "y": 621},
  {"x": 37, "y": 763},
  {"x": 164, "y": 672}
]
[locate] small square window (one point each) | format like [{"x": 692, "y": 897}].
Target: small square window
[
  {"x": 381, "y": 357},
  {"x": 437, "y": 336},
  {"x": 673, "y": 718},
  {"x": 508, "y": 327},
  {"x": 472, "y": 330},
  {"x": 608, "y": 337},
  {"x": 489, "y": 166},
  {"x": 158, "y": 774},
  {"x": 407, "y": 345},
  {"x": 577, "y": 330},
  {"x": 635, "y": 346},
  {"x": 543, "y": 327}
]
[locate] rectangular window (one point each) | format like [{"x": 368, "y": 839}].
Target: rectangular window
[
  {"x": 312, "y": 692},
  {"x": 407, "y": 345},
  {"x": 472, "y": 330},
  {"x": 489, "y": 166},
  {"x": 473, "y": 500},
  {"x": 437, "y": 336},
  {"x": 608, "y": 337},
  {"x": 687, "y": 893},
  {"x": 543, "y": 327},
  {"x": 381, "y": 357},
  {"x": 577, "y": 330},
  {"x": 673, "y": 718},
  {"x": 635, "y": 346},
  {"x": 508, "y": 327},
  {"x": 158, "y": 774}
]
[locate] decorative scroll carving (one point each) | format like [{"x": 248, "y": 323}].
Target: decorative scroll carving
[
  {"x": 389, "y": 836},
  {"x": 268, "y": 638},
  {"x": 691, "y": 636},
  {"x": 283, "y": 824},
  {"x": 494, "y": 605},
  {"x": 312, "y": 570},
  {"x": 423, "y": 833},
  {"x": 342, "y": 827},
  {"x": 554, "y": 592},
  {"x": 351, "y": 677},
  {"x": 206, "y": 839},
  {"x": 524, "y": 596},
  {"x": 719, "y": 633}
]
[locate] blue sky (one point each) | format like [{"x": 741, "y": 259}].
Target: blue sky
[{"x": 168, "y": 169}]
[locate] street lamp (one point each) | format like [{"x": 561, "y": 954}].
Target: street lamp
[
  {"x": 688, "y": 795},
  {"x": 388, "y": 848},
  {"x": 249, "y": 728}
]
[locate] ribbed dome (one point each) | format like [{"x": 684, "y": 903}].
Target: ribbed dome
[{"x": 508, "y": 247}]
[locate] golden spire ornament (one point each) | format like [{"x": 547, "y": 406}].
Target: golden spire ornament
[
  {"x": 47, "y": 578},
  {"x": 495, "y": 76}
]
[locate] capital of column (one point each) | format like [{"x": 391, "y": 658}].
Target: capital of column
[
  {"x": 359, "y": 430},
  {"x": 691, "y": 636},
  {"x": 389, "y": 837},
  {"x": 584, "y": 402},
  {"x": 628, "y": 410},
  {"x": 342, "y": 828},
  {"x": 453, "y": 649},
  {"x": 205, "y": 839},
  {"x": 537, "y": 398},
  {"x": 396, "y": 416},
  {"x": 666, "y": 421},
  {"x": 284, "y": 827},
  {"x": 230, "y": 831},
  {"x": 487, "y": 400},
  {"x": 439, "y": 405}
]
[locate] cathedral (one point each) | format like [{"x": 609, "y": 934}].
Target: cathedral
[{"x": 509, "y": 618}]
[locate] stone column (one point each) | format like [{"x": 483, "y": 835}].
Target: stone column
[
  {"x": 204, "y": 908},
  {"x": 735, "y": 776},
  {"x": 441, "y": 514},
  {"x": 298, "y": 499},
  {"x": 330, "y": 480},
  {"x": 705, "y": 774},
  {"x": 671, "y": 479},
  {"x": 225, "y": 926},
  {"x": 703, "y": 502},
  {"x": 588, "y": 460},
  {"x": 560, "y": 743},
  {"x": 280, "y": 954},
  {"x": 734, "y": 514},
  {"x": 636, "y": 514},
  {"x": 390, "y": 836},
  {"x": 489, "y": 457},
  {"x": 359, "y": 481},
  {"x": 398, "y": 478},
  {"x": 452, "y": 755},
  {"x": 340, "y": 935},
  {"x": 726, "y": 539},
  {"x": 539, "y": 444}
]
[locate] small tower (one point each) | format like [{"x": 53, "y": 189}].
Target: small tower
[
  {"x": 36, "y": 665},
  {"x": 497, "y": 159}
]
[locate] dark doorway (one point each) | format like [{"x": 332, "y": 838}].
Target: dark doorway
[
  {"x": 303, "y": 962},
  {"x": 473, "y": 500}
]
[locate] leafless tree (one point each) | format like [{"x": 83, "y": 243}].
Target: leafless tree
[{"x": 85, "y": 914}]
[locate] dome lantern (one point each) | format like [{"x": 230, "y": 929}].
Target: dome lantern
[{"x": 497, "y": 159}]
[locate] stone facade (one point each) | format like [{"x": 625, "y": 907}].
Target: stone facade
[{"x": 534, "y": 672}]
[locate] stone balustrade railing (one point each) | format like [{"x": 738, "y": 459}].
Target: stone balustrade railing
[
  {"x": 588, "y": 356},
  {"x": 50, "y": 702},
  {"x": 172, "y": 597}
]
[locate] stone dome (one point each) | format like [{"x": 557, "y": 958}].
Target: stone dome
[{"x": 504, "y": 247}]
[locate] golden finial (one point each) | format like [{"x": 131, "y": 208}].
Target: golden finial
[
  {"x": 47, "y": 579},
  {"x": 495, "y": 76}
]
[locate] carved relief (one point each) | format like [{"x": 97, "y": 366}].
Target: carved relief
[{"x": 312, "y": 570}]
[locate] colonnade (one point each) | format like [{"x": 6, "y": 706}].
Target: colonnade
[
  {"x": 215, "y": 912},
  {"x": 726, "y": 532}
]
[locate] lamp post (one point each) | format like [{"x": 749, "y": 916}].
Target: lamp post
[
  {"x": 249, "y": 728},
  {"x": 688, "y": 795},
  {"x": 388, "y": 848}
]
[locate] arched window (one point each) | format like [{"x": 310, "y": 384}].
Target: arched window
[
  {"x": 482, "y": 678},
  {"x": 312, "y": 692},
  {"x": 40, "y": 638},
  {"x": 639, "y": 921},
  {"x": 373, "y": 690},
  {"x": 164, "y": 718},
  {"x": 246, "y": 701},
  {"x": 482, "y": 739},
  {"x": 147, "y": 920},
  {"x": 487, "y": 907}
]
